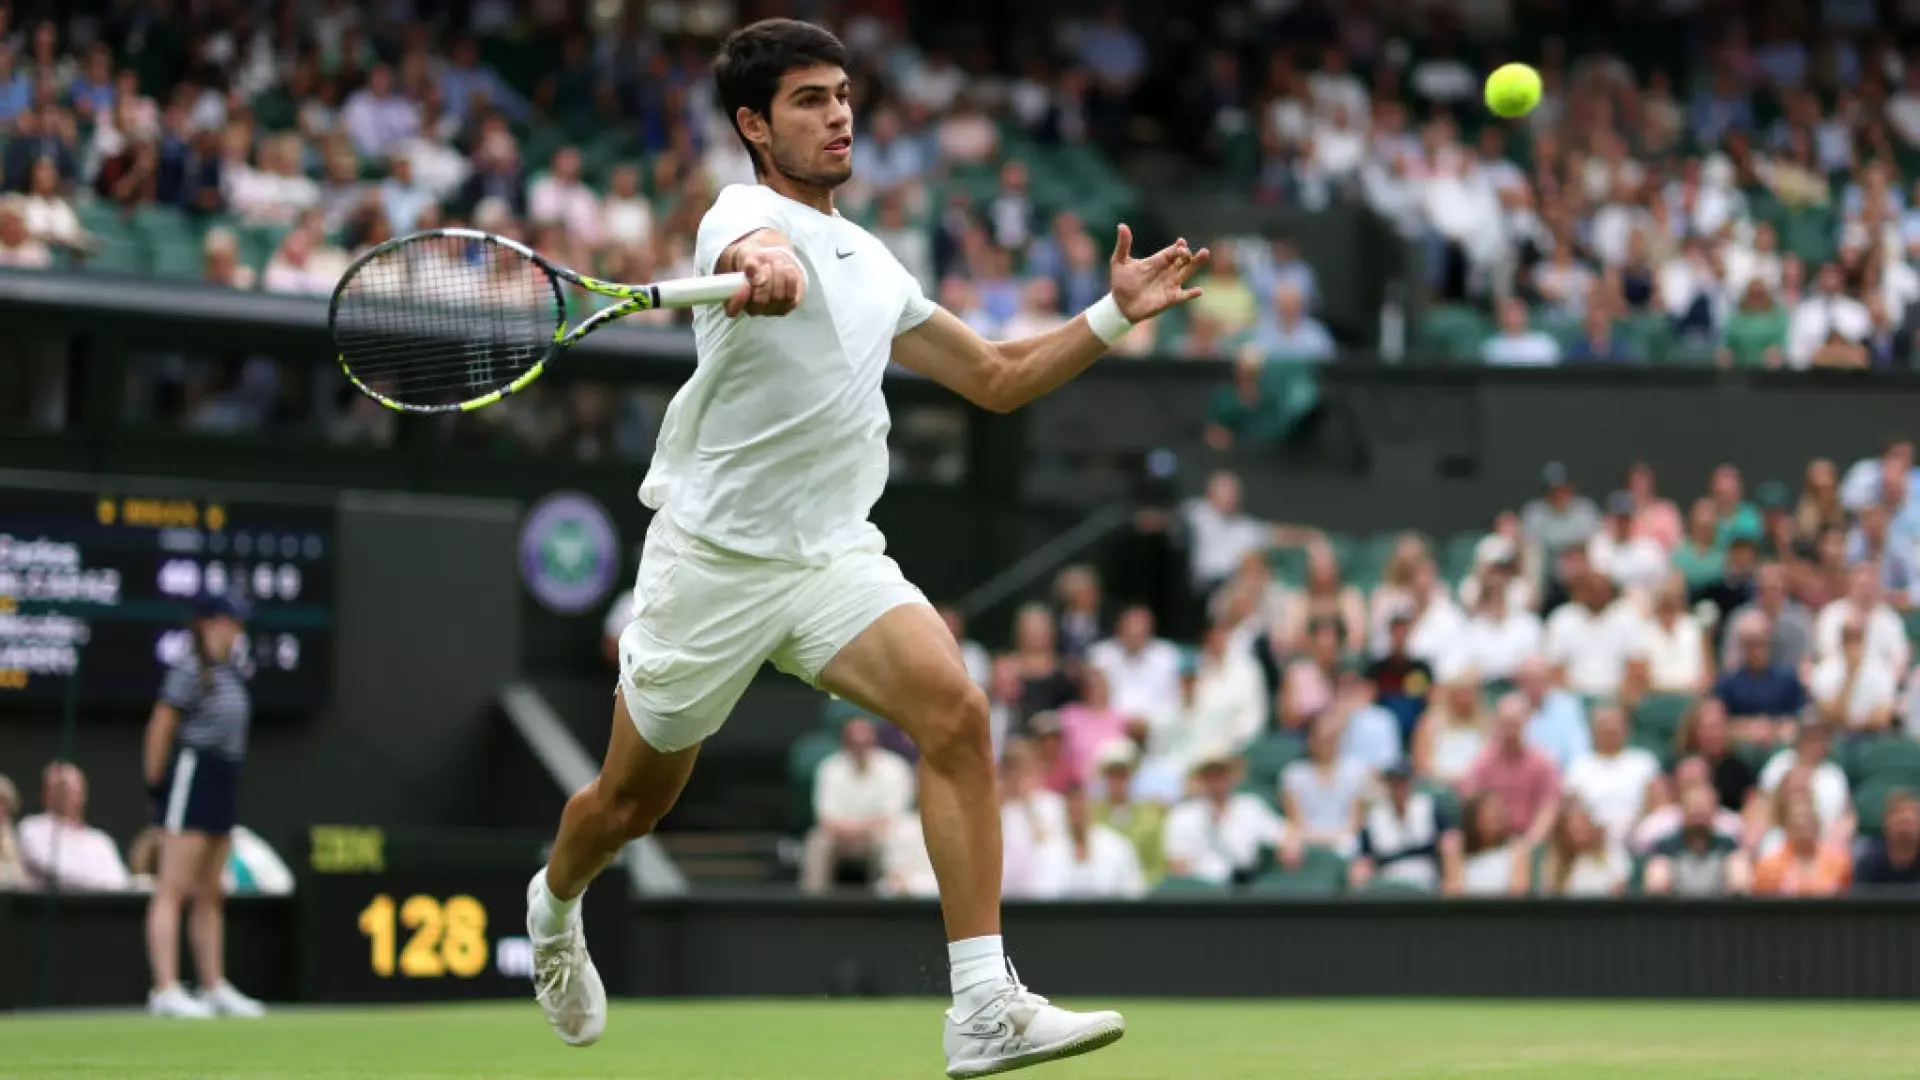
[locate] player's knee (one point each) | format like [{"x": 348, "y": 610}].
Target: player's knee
[
  {"x": 954, "y": 734},
  {"x": 631, "y": 817}
]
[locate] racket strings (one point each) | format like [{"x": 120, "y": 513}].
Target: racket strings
[{"x": 438, "y": 320}]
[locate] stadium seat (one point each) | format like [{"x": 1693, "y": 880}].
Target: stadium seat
[
  {"x": 1658, "y": 716},
  {"x": 1266, "y": 756},
  {"x": 1389, "y": 889},
  {"x": 1894, "y": 758},
  {"x": 1456, "y": 555},
  {"x": 835, "y": 713},
  {"x": 1186, "y": 888},
  {"x": 1911, "y": 620},
  {"x": 1453, "y": 333},
  {"x": 1321, "y": 873},
  {"x": 1870, "y": 802}
]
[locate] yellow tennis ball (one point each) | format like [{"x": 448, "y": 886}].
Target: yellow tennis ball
[{"x": 1513, "y": 90}]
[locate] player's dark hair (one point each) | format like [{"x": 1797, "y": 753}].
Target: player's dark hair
[{"x": 752, "y": 59}]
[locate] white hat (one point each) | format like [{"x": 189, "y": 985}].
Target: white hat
[
  {"x": 1115, "y": 754},
  {"x": 1211, "y": 755}
]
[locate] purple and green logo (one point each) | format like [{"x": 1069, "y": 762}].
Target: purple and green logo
[{"x": 569, "y": 553}]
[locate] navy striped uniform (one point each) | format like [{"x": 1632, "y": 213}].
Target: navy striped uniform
[{"x": 202, "y": 788}]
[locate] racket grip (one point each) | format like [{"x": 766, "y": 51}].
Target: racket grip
[{"x": 689, "y": 292}]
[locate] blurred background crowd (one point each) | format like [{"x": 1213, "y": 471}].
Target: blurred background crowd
[{"x": 1602, "y": 693}]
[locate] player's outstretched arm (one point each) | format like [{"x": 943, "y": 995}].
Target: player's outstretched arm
[{"x": 1002, "y": 376}]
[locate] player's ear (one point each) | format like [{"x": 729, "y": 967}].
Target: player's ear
[{"x": 754, "y": 126}]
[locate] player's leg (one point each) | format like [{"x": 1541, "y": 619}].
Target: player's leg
[
  {"x": 872, "y": 639},
  {"x": 636, "y": 787},
  {"x": 180, "y": 855}
]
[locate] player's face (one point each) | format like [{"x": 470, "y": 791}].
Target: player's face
[{"x": 812, "y": 127}]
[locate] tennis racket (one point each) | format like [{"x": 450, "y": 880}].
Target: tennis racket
[{"x": 452, "y": 320}]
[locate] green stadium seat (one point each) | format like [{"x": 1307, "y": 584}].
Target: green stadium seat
[
  {"x": 1266, "y": 756},
  {"x": 835, "y": 713},
  {"x": 1894, "y": 758},
  {"x": 173, "y": 259},
  {"x": 1911, "y": 620},
  {"x": 1186, "y": 888},
  {"x": 1658, "y": 716},
  {"x": 1456, "y": 555},
  {"x": 1389, "y": 889},
  {"x": 1452, "y": 333},
  {"x": 1321, "y": 873},
  {"x": 1870, "y": 802}
]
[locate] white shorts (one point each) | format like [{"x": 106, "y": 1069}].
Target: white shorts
[{"x": 705, "y": 619}]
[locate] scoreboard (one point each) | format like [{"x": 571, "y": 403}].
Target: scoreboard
[{"x": 101, "y": 584}]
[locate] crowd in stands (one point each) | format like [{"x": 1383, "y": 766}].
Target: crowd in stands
[
  {"x": 1588, "y": 699},
  {"x": 57, "y": 848}
]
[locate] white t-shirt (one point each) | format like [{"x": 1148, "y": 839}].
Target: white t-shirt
[
  {"x": 1676, "y": 660},
  {"x": 1614, "y": 788},
  {"x": 1874, "y": 689},
  {"x": 1032, "y": 830},
  {"x": 777, "y": 446},
  {"x": 1220, "y": 541},
  {"x": 844, "y": 792},
  {"x": 1211, "y": 848},
  {"x": 1435, "y": 631},
  {"x": 1639, "y": 563},
  {"x": 1145, "y": 684},
  {"x": 1886, "y": 637},
  {"x": 1496, "y": 649},
  {"x": 1831, "y": 793},
  {"x": 1111, "y": 870},
  {"x": 1595, "y": 648}
]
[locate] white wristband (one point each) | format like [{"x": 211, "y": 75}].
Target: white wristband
[{"x": 1106, "y": 321}]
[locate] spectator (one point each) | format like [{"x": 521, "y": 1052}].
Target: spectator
[
  {"x": 1526, "y": 781},
  {"x": 857, "y": 793},
  {"x": 1853, "y": 690},
  {"x": 1597, "y": 343},
  {"x": 1700, "y": 559},
  {"x": 1735, "y": 517},
  {"x": 1893, "y": 860},
  {"x": 1220, "y": 532},
  {"x": 18, "y": 248},
  {"x": 1825, "y": 781},
  {"x": 1142, "y": 670},
  {"x": 1582, "y": 858},
  {"x": 1076, "y": 592},
  {"x": 1244, "y": 413},
  {"x": 1306, "y": 688},
  {"x": 1218, "y": 834},
  {"x": 906, "y": 869},
  {"x": 1866, "y": 480},
  {"x": 1561, "y": 518},
  {"x": 979, "y": 665},
  {"x": 1402, "y": 683},
  {"x": 1222, "y": 704},
  {"x": 50, "y": 218},
  {"x": 1119, "y": 807},
  {"x": 377, "y": 117},
  {"x": 1369, "y": 734},
  {"x": 561, "y": 197},
  {"x": 1517, "y": 344},
  {"x": 1756, "y": 332},
  {"x": 1499, "y": 634},
  {"x": 1591, "y": 639},
  {"x": 1762, "y": 697},
  {"x": 1613, "y": 782},
  {"x": 1556, "y": 718},
  {"x": 1870, "y": 544},
  {"x": 58, "y": 847},
  {"x": 1806, "y": 865},
  {"x": 1033, "y": 822},
  {"x": 1635, "y": 563},
  {"x": 1734, "y": 588},
  {"x": 465, "y": 82},
  {"x": 1698, "y": 860},
  {"x": 13, "y": 871},
  {"x": 300, "y": 267},
  {"x": 1678, "y": 658},
  {"x": 1405, "y": 838},
  {"x": 1322, "y": 794},
  {"x": 1227, "y": 303},
  {"x": 220, "y": 261},
  {"x": 1705, "y": 733},
  {"x": 1864, "y": 604},
  {"x": 495, "y": 174},
  {"x": 1664, "y": 819},
  {"x": 1291, "y": 335},
  {"x": 966, "y": 135},
  {"x": 1824, "y": 313},
  {"x": 1654, "y": 517},
  {"x": 1039, "y": 310},
  {"x": 1452, "y": 735},
  {"x": 1819, "y": 507},
  {"x": 1789, "y": 626},
  {"x": 1042, "y": 683},
  {"x": 1096, "y": 862},
  {"x": 1494, "y": 859},
  {"x": 1048, "y": 739},
  {"x": 1324, "y": 597},
  {"x": 403, "y": 198},
  {"x": 1090, "y": 724}
]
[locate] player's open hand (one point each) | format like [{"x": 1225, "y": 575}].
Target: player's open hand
[
  {"x": 775, "y": 282},
  {"x": 1146, "y": 287}
]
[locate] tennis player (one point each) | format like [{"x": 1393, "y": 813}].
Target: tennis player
[
  {"x": 196, "y": 741},
  {"x": 769, "y": 461}
]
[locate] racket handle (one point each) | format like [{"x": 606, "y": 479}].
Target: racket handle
[{"x": 689, "y": 292}]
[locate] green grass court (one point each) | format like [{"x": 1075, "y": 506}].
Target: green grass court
[{"x": 891, "y": 1040}]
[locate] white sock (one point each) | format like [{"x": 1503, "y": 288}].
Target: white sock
[
  {"x": 552, "y": 915},
  {"x": 978, "y": 967}
]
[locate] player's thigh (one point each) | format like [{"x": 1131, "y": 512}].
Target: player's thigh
[
  {"x": 904, "y": 666},
  {"x": 638, "y": 775}
]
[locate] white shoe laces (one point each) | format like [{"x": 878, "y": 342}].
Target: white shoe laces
[{"x": 555, "y": 961}]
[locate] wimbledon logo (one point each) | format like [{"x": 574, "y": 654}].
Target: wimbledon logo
[{"x": 568, "y": 552}]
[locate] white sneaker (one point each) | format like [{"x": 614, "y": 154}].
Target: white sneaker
[
  {"x": 176, "y": 1004},
  {"x": 224, "y": 1000},
  {"x": 564, "y": 980},
  {"x": 1017, "y": 1028}
]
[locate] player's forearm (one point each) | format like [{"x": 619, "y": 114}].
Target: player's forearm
[{"x": 1033, "y": 367}]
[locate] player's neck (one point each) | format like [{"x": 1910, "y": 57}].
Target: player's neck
[{"x": 818, "y": 198}]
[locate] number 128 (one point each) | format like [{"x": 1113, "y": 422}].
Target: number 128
[{"x": 447, "y": 938}]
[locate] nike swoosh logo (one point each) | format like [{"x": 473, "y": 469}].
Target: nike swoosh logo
[
  {"x": 991, "y": 1031},
  {"x": 843, "y": 254}
]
